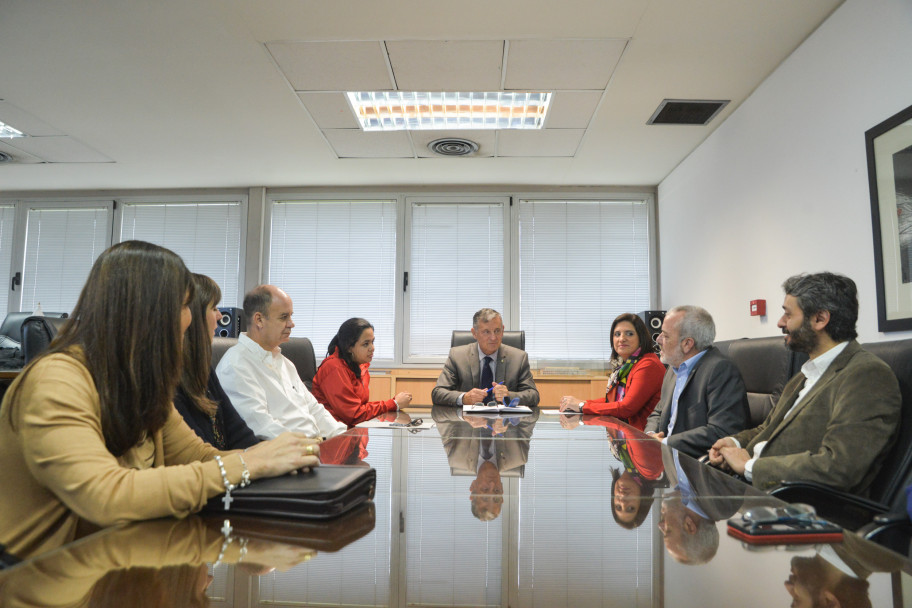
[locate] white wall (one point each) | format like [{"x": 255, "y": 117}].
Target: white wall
[{"x": 781, "y": 187}]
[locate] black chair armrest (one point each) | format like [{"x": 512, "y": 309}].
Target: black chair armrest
[
  {"x": 892, "y": 530},
  {"x": 842, "y": 508}
]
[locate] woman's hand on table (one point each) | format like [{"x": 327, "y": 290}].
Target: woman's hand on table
[{"x": 288, "y": 452}]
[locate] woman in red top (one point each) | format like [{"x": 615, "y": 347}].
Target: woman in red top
[
  {"x": 636, "y": 376},
  {"x": 342, "y": 384}
]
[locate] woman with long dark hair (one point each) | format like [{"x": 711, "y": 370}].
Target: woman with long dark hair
[
  {"x": 200, "y": 398},
  {"x": 342, "y": 383},
  {"x": 635, "y": 376},
  {"x": 88, "y": 434}
]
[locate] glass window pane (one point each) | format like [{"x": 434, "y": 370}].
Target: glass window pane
[
  {"x": 582, "y": 263},
  {"x": 7, "y": 223},
  {"x": 456, "y": 268},
  {"x": 337, "y": 260},
  {"x": 206, "y": 235},
  {"x": 61, "y": 245}
]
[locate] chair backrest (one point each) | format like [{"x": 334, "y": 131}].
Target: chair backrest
[
  {"x": 889, "y": 485},
  {"x": 11, "y": 329},
  {"x": 765, "y": 365},
  {"x": 37, "y": 334},
  {"x": 299, "y": 351},
  {"x": 516, "y": 339}
]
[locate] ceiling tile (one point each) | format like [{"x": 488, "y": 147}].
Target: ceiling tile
[
  {"x": 25, "y": 122},
  {"x": 484, "y": 139},
  {"x": 447, "y": 65},
  {"x": 330, "y": 110},
  {"x": 59, "y": 149},
  {"x": 332, "y": 66},
  {"x": 549, "y": 65},
  {"x": 572, "y": 109},
  {"x": 19, "y": 157},
  {"x": 547, "y": 142},
  {"x": 355, "y": 143}
]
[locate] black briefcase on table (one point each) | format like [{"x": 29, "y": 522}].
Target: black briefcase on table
[{"x": 327, "y": 491}]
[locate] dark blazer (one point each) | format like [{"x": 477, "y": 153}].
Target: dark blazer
[
  {"x": 462, "y": 371},
  {"x": 712, "y": 405},
  {"x": 840, "y": 432},
  {"x": 236, "y": 433}
]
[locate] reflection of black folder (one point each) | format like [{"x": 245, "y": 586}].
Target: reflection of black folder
[
  {"x": 327, "y": 491},
  {"x": 784, "y": 533},
  {"x": 320, "y": 535}
]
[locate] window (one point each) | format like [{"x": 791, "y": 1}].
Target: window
[
  {"x": 206, "y": 234},
  {"x": 581, "y": 263},
  {"x": 7, "y": 223},
  {"x": 62, "y": 241},
  {"x": 337, "y": 260},
  {"x": 456, "y": 267}
]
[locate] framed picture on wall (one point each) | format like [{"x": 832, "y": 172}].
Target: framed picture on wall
[{"x": 889, "y": 148}]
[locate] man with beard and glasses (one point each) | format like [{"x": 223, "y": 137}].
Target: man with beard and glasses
[
  {"x": 837, "y": 418},
  {"x": 703, "y": 397}
]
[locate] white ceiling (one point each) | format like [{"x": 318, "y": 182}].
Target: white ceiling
[{"x": 239, "y": 93}]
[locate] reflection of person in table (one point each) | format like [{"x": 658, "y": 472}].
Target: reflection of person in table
[
  {"x": 700, "y": 497},
  {"x": 161, "y": 562},
  {"x": 632, "y": 490},
  {"x": 486, "y": 448}
]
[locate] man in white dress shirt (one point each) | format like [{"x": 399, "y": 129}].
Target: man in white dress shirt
[{"x": 263, "y": 385}]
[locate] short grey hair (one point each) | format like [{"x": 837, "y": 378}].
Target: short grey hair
[
  {"x": 484, "y": 315},
  {"x": 257, "y": 300},
  {"x": 696, "y": 323}
]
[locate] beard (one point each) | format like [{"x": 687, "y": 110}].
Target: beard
[{"x": 803, "y": 339}]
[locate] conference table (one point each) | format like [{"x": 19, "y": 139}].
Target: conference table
[{"x": 548, "y": 527}]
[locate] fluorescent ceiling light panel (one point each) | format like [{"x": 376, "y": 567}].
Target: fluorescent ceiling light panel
[
  {"x": 414, "y": 111},
  {"x": 8, "y": 131}
]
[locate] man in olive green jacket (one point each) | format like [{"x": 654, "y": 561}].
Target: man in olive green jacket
[{"x": 836, "y": 419}]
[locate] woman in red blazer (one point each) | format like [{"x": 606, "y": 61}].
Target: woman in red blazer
[
  {"x": 342, "y": 384},
  {"x": 636, "y": 376}
]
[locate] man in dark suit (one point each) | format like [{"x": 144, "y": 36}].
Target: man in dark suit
[
  {"x": 836, "y": 419},
  {"x": 703, "y": 396},
  {"x": 486, "y": 368}
]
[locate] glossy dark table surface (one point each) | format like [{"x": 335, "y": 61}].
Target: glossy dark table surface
[{"x": 537, "y": 531}]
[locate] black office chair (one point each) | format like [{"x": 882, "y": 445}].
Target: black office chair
[
  {"x": 11, "y": 329},
  {"x": 38, "y": 333},
  {"x": 886, "y": 494},
  {"x": 516, "y": 339}
]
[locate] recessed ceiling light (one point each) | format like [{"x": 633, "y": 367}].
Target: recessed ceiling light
[
  {"x": 413, "y": 111},
  {"x": 8, "y": 131}
]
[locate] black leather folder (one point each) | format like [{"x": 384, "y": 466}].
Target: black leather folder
[{"x": 325, "y": 492}]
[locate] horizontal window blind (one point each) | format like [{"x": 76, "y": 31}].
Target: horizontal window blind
[
  {"x": 207, "y": 235},
  {"x": 456, "y": 268},
  {"x": 337, "y": 260},
  {"x": 7, "y": 223},
  {"x": 61, "y": 244},
  {"x": 582, "y": 263}
]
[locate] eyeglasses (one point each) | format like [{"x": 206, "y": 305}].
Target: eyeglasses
[{"x": 417, "y": 422}]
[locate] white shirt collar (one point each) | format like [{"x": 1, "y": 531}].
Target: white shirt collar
[
  {"x": 814, "y": 368},
  {"x": 256, "y": 350}
]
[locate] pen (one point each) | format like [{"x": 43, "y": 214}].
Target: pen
[{"x": 491, "y": 388}]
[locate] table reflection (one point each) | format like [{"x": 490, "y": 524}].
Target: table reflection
[{"x": 557, "y": 536}]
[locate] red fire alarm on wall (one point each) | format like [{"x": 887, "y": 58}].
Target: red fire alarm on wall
[{"x": 758, "y": 308}]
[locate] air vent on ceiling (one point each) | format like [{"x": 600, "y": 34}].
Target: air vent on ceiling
[
  {"x": 453, "y": 146},
  {"x": 6, "y": 158},
  {"x": 686, "y": 112}
]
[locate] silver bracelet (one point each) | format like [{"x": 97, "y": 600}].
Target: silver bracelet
[
  {"x": 228, "y": 485},
  {"x": 226, "y": 530},
  {"x": 245, "y": 476}
]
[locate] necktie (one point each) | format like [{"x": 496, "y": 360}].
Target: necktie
[
  {"x": 486, "y": 448},
  {"x": 487, "y": 378}
]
